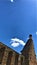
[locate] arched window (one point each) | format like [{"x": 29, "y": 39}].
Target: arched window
[
  {"x": 1, "y": 54},
  {"x": 9, "y": 58}
]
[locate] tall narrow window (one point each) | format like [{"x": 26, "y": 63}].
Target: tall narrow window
[
  {"x": 16, "y": 60},
  {"x": 21, "y": 60},
  {"x": 1, "y": 54},
  {"x": 9, "y": 58}
]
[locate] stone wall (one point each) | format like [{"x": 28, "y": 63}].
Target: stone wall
[
  {"x": 9, "y": 57},
  {"x": 5, "y": 57}
]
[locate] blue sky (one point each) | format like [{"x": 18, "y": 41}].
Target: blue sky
[{"x": 18, "y": 19}]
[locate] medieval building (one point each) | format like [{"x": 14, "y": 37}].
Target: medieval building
[{"x": 10, "y": 57}]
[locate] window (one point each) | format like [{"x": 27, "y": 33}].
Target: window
[
  {"x": 16, "y": 59},
  {"x": 21, "y": 60},
  {"x": 9, "y": 58},
  {"x": 1, "y": 54}
]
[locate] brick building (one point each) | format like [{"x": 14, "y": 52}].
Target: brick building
[{"x": 10, "y": 57}]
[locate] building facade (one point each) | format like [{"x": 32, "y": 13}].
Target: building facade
[{"x": 10, "y": 57}]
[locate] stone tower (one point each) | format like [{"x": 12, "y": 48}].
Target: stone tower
[{"x": 29, "y": 52}]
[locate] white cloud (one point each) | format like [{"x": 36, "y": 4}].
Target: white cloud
[
  {"x": 36, "y": 33},
  {"x": 15, "y": 42},
  {"x": 21, "y": 42},
  {"x": 11, "y": 0}
]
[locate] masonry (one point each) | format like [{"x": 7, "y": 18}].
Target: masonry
[{"x": 9, "y": 56}]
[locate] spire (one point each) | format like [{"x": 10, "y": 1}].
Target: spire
[
  {"x": 28, "y": 45},
  {"x": 29, "y": 52}
]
